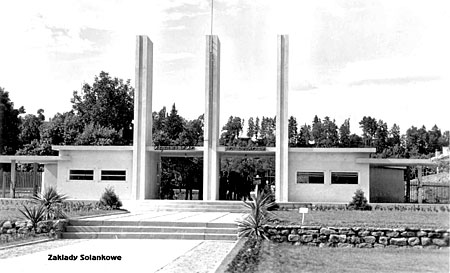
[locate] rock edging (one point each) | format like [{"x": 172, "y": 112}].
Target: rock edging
[
  {"x": 360, "y": 237},
  {"x": 13, "y": 230}
]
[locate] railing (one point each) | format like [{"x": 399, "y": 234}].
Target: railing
[
  {"x": 25, "y": 182},
  {"x": 435, "y": 193}
]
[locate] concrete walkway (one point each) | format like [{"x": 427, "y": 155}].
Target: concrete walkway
[
  {"x": 172, "y": 216},
  {"x": 142, "y": 255}
]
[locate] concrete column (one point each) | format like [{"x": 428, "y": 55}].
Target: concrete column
[
  {"x": 419, "y": 185},
  {"x": 282, "y": 138},
  {"x": 12, "y": 187},
  {"x": 211, "y": 159},
  {"x": 142, "y": 129}
]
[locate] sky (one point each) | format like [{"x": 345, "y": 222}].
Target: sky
[{"x": 347, "y": 59}]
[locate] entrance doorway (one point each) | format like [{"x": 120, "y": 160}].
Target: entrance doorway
[
  {"x": 181, "y": 178},
  {"x": 240, "y": 175}
]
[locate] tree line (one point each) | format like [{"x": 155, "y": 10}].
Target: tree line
[{"x": 102, "y": 114}]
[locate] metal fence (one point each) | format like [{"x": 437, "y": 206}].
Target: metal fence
[
  {"x": 432, "y": 193},
  {"x": 25, "y": 181}
]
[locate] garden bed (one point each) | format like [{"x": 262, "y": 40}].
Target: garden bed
[{"x": 375, "y": 218}]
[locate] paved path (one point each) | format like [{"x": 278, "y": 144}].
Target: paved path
[
  {"x": 140, "y": 255},
  {"x": 173, "y": 216}
]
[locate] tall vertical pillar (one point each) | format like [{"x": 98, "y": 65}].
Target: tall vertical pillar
[
  {"x": 142, "y": 130},
  {"x": 282, "y": 141},
  {"x": 211, "y": 160}
]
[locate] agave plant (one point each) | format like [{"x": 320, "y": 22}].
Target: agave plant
[
  {"x": 34, "y": 215},
  {"x": 51, "y": 201},
  {"x": 252, "y": 224}
]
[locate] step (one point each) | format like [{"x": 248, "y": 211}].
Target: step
[
  {"x": 188, "y": 210},
  {"x": 150, "y": 223},
  {"x": 150, "y": 229},
  {"x": 148, "y": 235}
]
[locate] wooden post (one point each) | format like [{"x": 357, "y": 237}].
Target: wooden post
[
  {"x": 34, "y": 178},
  {"x": 3, "y": 183},
  {"x": 419, "y": 185},
  {"x": 408, "y": 184},
  {"x": 12, "y": 188}
]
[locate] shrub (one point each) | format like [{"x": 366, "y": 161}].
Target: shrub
[
  {"x": 252, "y": 224},
  {"x": 51, "y": 201},
  {"x": 34, "y": 215},
  {"x": 359, "y": 201},
  {"x": 110, "y": 199}
]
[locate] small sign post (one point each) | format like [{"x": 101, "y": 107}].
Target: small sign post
[{"x": 303, "y": 211}]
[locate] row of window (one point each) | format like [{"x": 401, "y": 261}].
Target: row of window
[
  {"x": 319, "y": 178},
  {"x": 106, "y": 175}
]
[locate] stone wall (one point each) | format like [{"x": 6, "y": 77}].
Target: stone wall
[
  {"x": 361, "y": 237},
  {"x": 13, "y": 230}
]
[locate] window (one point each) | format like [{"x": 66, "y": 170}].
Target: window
[
  {"x": 344, "y": 178},
  {"x": 310, "y": 178},
  {"x": 81, "y": 174},
  {"x": 114, "y": 175}
]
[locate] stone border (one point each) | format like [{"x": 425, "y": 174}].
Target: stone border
[
  {"x": 19, "y": 244},
  {"x": 223, "y": 266},
  {"x": 359, "y": 236}
]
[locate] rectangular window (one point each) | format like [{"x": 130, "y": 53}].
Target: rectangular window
[
  {"x": 310, "y": 178},
  {"x": 114, "y": 175},
  {"x": 81, "y": 174},
  {"x": 344, "y": 178}
]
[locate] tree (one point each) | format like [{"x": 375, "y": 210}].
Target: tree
[
  {"x": 30, "y": 127},
  {"x": 381, "y": 136},
  {"x": 251, "y": 131},
  {"x": 304, "y": 136},
  {"x": 369, "y": 128},
  {"x": 174, "y": 126},
  {"x": 231, "y": 131},
  {"x": 9, "y": 124},
  {"x": 330, "y": 137},
  {"x": 344, "y": 133},
  {"x": 292, "y": 129},
  {"x": 394, "y": 135},
  {"x": 108, "y": 103},
  {"x": 433, "y": 141},
  {"x": 317, "y": 131},
  {"x": 257, "y": 127}
]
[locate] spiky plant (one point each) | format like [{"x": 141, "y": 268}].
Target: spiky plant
[
  {"x": 51, "y": 200},
  {"x": 252, "y": 224},
  {"x": 34, "y": 214}
]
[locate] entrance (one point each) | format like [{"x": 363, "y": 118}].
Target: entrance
[
  {"x": 181, "y": 178},
  {"x": 239, "y": 175}
]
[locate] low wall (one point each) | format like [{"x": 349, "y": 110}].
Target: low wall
[
  {"x": 14, "y": 230},
  {"x": 359, "y": 237}
]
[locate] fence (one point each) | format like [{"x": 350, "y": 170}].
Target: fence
[
  {"x": 434, "y": 193},
  {"x": 24, "y": 184}
]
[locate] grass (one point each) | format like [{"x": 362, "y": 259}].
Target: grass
[
  {"x": 348, "y": 218},
  {"x": 275, "y": 257}
]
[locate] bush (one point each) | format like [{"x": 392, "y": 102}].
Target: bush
[
  {"x": 51, "y": 201},
  {"x": 359, "y": 201},
  {"x": 34, "y": 215},
  {"x": 110, "y": 199},
  {"x": 252, "y": 224}
]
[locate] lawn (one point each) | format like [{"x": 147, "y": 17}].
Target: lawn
[
  {"x": 352, "y": 218},
  {"x": 274, "y": 257}
]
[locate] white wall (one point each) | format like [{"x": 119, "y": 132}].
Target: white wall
[
  {"x": 326, "y": 162},
  {"x": 97, "y": 160},
  {"x": 50, "y": 176}
]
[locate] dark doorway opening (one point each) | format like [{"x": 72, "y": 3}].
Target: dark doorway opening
[
  {"x": 181, "y": 178},
  {"x": 241, "y": 175}
]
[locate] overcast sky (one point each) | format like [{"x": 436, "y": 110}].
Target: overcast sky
[{"x": 387, "y": 59}]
